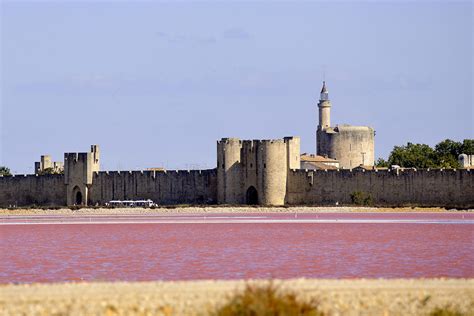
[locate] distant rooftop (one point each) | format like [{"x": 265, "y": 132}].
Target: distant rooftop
[
  {"x": 316, "y": 158},
  {"x": 155, "y": 169}
]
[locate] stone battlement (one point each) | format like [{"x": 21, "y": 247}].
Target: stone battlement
[
  {"x": 391, "y": 172},
  {"x": 255, "y": 141}
]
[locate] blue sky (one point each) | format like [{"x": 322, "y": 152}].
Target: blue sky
[{"x": 157, "y": 84}]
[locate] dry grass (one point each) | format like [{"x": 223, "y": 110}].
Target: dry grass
[{"x": 438, "y": 297}]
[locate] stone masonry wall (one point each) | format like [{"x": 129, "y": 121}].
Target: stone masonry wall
[
  {"x": 350, "y": 145},
  {"x": 386, "y": 187},
  {"x": 25, "y": 190},
  {"x": 163, "y": 187}
]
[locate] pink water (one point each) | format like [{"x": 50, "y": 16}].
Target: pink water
[{"x": 443, "y": 247}]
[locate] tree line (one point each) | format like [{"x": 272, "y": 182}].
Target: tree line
[{"x": 444, "y": 155}]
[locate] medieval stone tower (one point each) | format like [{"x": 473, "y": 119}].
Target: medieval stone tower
[
  {"x": 351, "y": 145},
  {"x": 78, "y": 171},
  {"x": 255, "y": 171}
]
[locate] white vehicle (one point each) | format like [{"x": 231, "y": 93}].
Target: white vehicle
[{"x": 131, "y": 203}]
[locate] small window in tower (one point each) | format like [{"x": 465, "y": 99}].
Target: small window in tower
[
  {"x": 264, "y": 165},
  {"x": 251, "y": 165},
  {"x": 222, "y": 166}
]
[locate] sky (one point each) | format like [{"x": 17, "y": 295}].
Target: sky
[{"x": 156, "y": 84}]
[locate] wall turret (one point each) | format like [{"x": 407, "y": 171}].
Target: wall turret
[
  {"x": 78, "y": 174},
  {"x": 229, "y": 175}
]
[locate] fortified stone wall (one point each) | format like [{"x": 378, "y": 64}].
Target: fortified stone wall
[
  {"x": 385, "y": 187},
  {"x": 25, "y": 190},
  {"x": 163, "y": 187}
]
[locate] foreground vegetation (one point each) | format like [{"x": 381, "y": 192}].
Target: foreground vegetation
[{"x": 267, "y": 300}]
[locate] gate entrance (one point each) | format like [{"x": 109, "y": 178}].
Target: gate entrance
[
  {"x": 77, "y": 196},
  {"x": 252, "y": 196}
]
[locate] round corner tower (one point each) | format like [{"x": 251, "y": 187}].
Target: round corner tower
[
  {"x": 273, "y": 170},
  {"x": 229, "y": 175}
]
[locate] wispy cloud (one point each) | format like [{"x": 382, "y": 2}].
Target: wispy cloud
[
  {"x": 186, "y": 38},
  {"x": 236, "y": 34},
  {"x": 229, "y": 34}
]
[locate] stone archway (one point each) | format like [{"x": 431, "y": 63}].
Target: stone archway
[
  {"x": 77, "y": 196},
  {"x": 252, "y": 196}
]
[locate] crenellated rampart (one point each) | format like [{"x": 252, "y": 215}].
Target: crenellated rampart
[
  {"x": 163, "y": 187},
  {"x": 396, "y": 187},
  {"x": 27, "y": 190}
]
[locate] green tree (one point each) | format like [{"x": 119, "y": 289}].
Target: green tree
[
  {"x": 4, "y": 171},
  {"x": 467, "y": 147},
  {"x": 447, "y": 153},
  {"x": 381, "y": 163},
  {"x": 413, "y": 156}
]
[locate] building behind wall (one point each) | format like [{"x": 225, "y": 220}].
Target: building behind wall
[
  {"x": 47, "y": 165},
  {"x": 466, "y": 161},
  {"x": 316, "y": 162}
]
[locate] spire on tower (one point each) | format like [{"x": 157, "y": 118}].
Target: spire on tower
[
  {"x": 324, "y": 89},
  {"x": 324, "y": 92}
]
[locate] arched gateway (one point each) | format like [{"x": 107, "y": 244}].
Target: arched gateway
[
  {"x": 252, "y": 196},
  {"x": 77, "y": 196}
]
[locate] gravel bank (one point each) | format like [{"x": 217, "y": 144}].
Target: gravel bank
[
  {"x": 216, "y": 209},
  {"x": 336, "y": 297}
]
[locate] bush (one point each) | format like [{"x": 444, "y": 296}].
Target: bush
[
  {"x": 267, "y": 300},
  {"x": 361, "y": 198},
  {"x": 446, "y": 311},
  {"x": 4, "y": 171}
]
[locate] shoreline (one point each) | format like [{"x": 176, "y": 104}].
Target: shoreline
[
  {"x": 223, "y": 209},
  {"x": 335, "y": 297}
]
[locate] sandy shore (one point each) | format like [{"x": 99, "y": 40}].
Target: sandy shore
[
  {"x": 218, "y": 209},
  {"x": 336, "y": 297}
]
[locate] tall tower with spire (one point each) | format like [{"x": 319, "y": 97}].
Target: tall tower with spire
[
  {"x": 324, "y": 106},
  {"x": 352, "y": 146},
  {"x": 324, "y": 122}
]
